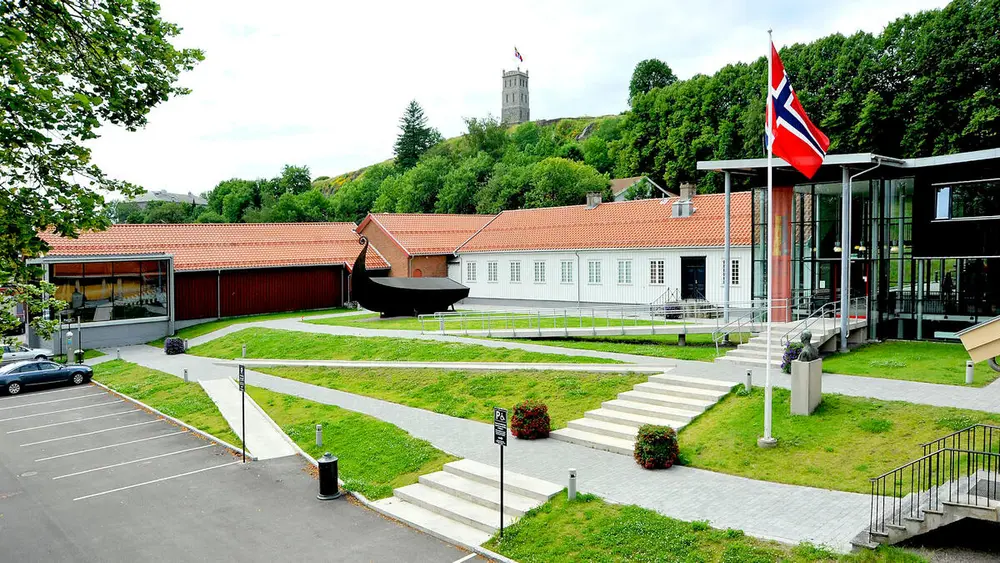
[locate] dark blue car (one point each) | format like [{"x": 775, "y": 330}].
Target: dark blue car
[{"x": 15, "y": 377}]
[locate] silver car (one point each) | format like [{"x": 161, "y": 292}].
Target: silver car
[{"x": 18, "y": 352}]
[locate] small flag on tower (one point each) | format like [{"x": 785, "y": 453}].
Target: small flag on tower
[{"x": 517, "y": 55}]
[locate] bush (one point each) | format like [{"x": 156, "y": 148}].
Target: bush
[
  {"x": 530, "y": 420},
  {"x": 173, "y": 346},
  {"x": 792, "y": 351},
  {"x": 656, "y": 446}
]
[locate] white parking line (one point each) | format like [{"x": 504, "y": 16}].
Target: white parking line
[
  {"x": 466, "y": 558},
  {"x": 132, "y": 411},
  {"x": 161, "y": 479},
  {"x": 87, "y": 433},
  {"x": 88, "y": 450},
  {"x": 36, "y": 393},
  {"x": 52, "y": 401},
  {"x": 133, "y": 461},
  {"x": 59, "y": 411}
]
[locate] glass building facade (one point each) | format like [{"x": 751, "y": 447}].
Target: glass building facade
[{"x": 112, "y": 290}]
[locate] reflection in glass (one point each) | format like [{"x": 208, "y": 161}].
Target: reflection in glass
[{"x": 110, "y": 291}]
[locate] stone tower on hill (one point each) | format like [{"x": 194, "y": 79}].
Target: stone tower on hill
[{"x": 515, "y": 97}]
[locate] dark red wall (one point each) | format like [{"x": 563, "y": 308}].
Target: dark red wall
[{"x": 249, "y": 292}]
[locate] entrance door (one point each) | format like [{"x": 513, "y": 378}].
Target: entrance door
[{"x": 693, "y": 277}]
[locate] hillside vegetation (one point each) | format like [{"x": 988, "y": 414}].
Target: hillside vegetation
[{"x": 928, "y": 84}]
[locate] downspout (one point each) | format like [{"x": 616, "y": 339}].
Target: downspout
[
  {"x": 579, "y": 273},
  {"x": 218, "y": 294},
  {"x": 845, "y": 254}
]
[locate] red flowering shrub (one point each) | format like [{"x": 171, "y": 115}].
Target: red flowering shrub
[
  {"x": 656, "y": 446},
  {"x": 530, "y": 420}
]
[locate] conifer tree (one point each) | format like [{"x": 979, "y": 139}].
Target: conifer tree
[{"x": 415, "y": 136}]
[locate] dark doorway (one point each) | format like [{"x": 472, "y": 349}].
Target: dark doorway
[{"x": 693, "y": 277}]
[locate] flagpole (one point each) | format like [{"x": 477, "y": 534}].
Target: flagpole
[{"x": 768, "y": 440}]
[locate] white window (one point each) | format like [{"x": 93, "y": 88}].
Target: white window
[
  {"x": 656, "y": 272},
  {"x": 566, "y": 271},
  {"x": 515, "y": 272},
  {"x": 470, "y": 271},
  {"x": 625, "y": 272},
  {"x": 594, "y": 272},
  {"x": 733, "y": 272},
  {"x": 539, "y": 272},
  {"x": 492, "y": 269}
]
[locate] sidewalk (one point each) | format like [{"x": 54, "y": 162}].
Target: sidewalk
[{"x": 262, "y": 438}]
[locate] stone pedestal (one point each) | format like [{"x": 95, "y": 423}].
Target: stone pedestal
[{"x": 807, "y": 386}]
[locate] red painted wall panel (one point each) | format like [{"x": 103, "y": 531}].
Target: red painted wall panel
[
  {"x": 249, "y": 292},
  {"x": 195, "y": 295}
]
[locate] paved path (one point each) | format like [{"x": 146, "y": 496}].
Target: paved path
[
  {"x": 265, "y": 440},
  {"x": 476, "y": 366}
]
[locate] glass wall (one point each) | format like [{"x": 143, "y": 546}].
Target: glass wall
[{"x": 112, "y": 291}]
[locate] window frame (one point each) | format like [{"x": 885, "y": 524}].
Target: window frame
[
  {"x": 657, "y": 266},
  {"x": 591, "y": 270},
  {"x": 628, "y": 270},
  {"x": 563, "y": 270},
  {"x": 470, "y": 272},
  {"x": 538, "y": 279},
  {"x": 492, "y": 271},
  {"x": 514, "y": 263}
]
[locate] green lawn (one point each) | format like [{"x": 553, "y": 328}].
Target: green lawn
[
  {"x": 501, "y": 321},
  {"x": 195, "y": 331},
  {"x": 374, "y": 457},
  {"x": 930, "y": 362},
  {"x": 699, "y": 347},
  {"x": 845, "y": 442},
  {"x": 169, "y": 394},
  {"x": 472, "y": 395},
  {"x": 589, "y": 529},
  {"x": 87, "y": 354},
  {"x": 288, "y": 345}
]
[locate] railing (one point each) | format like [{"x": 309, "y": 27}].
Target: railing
[
  {"x": 533, "y": 321},
  {"x": 750, "y": 322},
  {"x": 671, "y": 295},
  {"x": 962, "y": 467},
  {"x": 947, "y": 475},
  {"x": 826, "y": 317}
]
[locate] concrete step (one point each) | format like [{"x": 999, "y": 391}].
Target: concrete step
[
  {"x": 596, "y": 441},
  {"x": 743, "y": 361},
  {"x": 455, "y": 508},
  {"x": 478, "y": 493},
  {"x": 622, "y": 418},
  {"x": 614, "y": 430},
  {"x": 646, "y": 409},
  {"x": 514, "y": 482},
  {"x": 432, "y": 523},
  {"x": 761, "y": 354},
  {"x": 696, "y": 405},
  {"x": 680, "y": 391},
  {"x": 699, "y": 382}
]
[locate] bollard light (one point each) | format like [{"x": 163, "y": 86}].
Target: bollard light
[
  {"x": 319, "y": 435},
  {"x": 118, "y": 353},
  {"x": 970, "y": 371},
  {"x": 571, "y": 488},
  {"x": 244, "y": 350},
  {"x": 185, "y": 374},
  {"x": 748, "y": 384}
]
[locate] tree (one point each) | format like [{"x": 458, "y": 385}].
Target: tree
[
  {"x": 458, "y": 195},
  {"x": 168, "y": 212},
  {"x": 415, "y": 136},
  {"x": 70, "y": 67},
  {"x": 209, "y": 216},
  {"x": 558, "y": 181},
  {"x": 649, "y": 74},
  {"x": 125, "y": 212},
  {"x": 486, "y": 135}
]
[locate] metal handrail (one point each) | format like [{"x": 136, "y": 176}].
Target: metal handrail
[
  {"x": 989, "y": 442},
  {"x": 750, "y": 322},
  {"x": 822, "y": 313}
]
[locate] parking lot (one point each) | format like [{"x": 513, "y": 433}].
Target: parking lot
[{"x": 87, "y": 476}]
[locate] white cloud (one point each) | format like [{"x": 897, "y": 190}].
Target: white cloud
[{"x": 324, "y": 83}]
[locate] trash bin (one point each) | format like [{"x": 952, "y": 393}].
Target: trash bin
[
  {"x": 79, "y": 356},
  {"x": 328, "y": 487}
]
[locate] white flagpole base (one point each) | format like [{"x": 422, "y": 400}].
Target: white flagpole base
[{"x": 767, "y": 442}]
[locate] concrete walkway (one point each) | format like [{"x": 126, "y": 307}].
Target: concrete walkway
[{"x": 263, "y": 438}]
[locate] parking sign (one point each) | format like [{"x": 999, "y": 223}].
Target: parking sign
[{"x": 499, "y": 426}]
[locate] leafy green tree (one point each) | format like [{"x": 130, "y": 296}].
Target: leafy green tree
[
  {"x": 356, "y": 198},
  {"x": 239, "y": 198},
  {"x": 415, "y": 137},
  {"x": 168, "y": 212},
  {"x": 558, "y": 181},
  {"x": 293, "y": 179},
  {"x": 458, "y": 194},
  {"x": 505, "y": 188},
  {"x": 125, "y": 212},
  {"x": 649, "y": 74},
  {"x": 642, "y": 189},
  {"x": 422, "y": 184},
  {"x": 209, "y": 216},
  {"x": 486, "y": 135},
  {"x": 70, "y": 67}
]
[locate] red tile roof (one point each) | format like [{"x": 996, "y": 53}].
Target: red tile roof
[
  {"x": 225, "y": 246},
  {"x": 428, "y": 233},
  {"x": 628, "y": 224}
]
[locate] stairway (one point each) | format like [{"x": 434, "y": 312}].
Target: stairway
[
  {"x": 754, "y": 352},
  {"x": 666, "y": 399},
  {"x": 461, "y": 503}
]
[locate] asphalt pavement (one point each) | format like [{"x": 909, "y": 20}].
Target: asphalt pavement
[{"x": 86, "y": 476}]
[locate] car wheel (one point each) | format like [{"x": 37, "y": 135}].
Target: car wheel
[
  {"x": 41, "y": 357},
  {"x": 78, "y": 378},
  {"x": 995, "y": 363},
  {"x": 13, "y": 388}
]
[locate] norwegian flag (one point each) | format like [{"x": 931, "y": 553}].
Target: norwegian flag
[
  {"x": 792, "y": 136},
  {"x": 517, "y": 55}
]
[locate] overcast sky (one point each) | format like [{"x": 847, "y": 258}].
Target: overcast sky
[{"x": 323, "y": 83}]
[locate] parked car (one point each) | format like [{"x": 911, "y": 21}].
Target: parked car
[
  {"x": 18, "y": 375},
  {"x": 18, "y": 352}
]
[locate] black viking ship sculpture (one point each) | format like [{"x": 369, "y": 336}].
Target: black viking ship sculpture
[{"x": 397, "y": 297}]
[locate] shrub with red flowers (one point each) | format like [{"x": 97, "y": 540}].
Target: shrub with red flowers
[
  {"x": 656, "y": 446},
  {"x": 530, "y": 420}
]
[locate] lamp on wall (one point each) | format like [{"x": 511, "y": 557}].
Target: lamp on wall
[
  {"x": 836, "y": 247},
  {"x": 861, "y": 247},
  {"x": 894, "y": 248}
]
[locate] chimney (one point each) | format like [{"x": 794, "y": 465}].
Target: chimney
[
  {"x": 593, "y": 199},
  {"x": 687, "y": 191}
]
